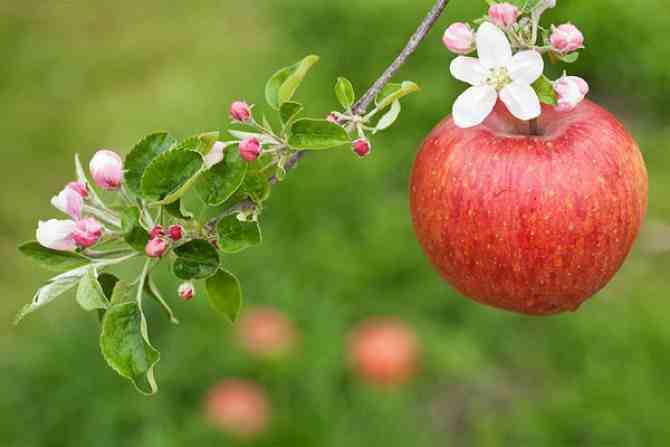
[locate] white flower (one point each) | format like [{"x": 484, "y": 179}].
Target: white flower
[
  {"x": 70, "y": 202},
  {"x": 496, "y": 73},
  {"x": 56, "y": 234}
]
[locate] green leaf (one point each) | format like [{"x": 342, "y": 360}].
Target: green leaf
[
  {"x": 392, "y": 92},
  {"x": 107, "y": 282},
  {"x": 121, "y": 293},
  {"x": 152, "y": 290},
  {"x": 133, "y": 233},
  {"x": 570, "y": 58},
  {"x": 289, "y": 111},
  {"x": 196, "y": 259},
  {"x": 221, "y": 181},
  {"x": 174, "y": 210},
  {"x": 225, "y": 294},
  {"x": 314, "y": 134},
  {"x": 389, "y": 117},
  {"x": 125, "y": 349},
  {"x": 524, "y": 5},
  {"x": 171, "y": 174},
  {"x": 545, "y": 91},
  {"x": 194, "y": 207},
  {"x": 344, "y": 91},
  {"x": 235, "y": 235},
  {"x": 283, "y": 84},
  {"x": 90, "y": 294},
  {"x": 201, "y": 143},
  {"x": 53, "y": 260},
  {"x": 256, "y": 187},
  {"x": 141, "y": 155}
]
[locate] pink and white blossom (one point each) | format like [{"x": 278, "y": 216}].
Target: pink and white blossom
[
  {"x": 80, "y": 187},
  {"x": 496, "y": 74},
  {"x": 186, "y": 291},
  {"x": 250, "y": 149},
  {"x": 240, "y": 111},
  {"x": 504, "y": 15},
  {"x": 156, "y": 248},
  {"x": 56, "y": 234},
  {"x": 70, "y": 202},
  {"x": 459, "y": 38},
  {"x": 156, "y": 231},
  {"x": 570, "y": 90},
  {"x": 566, "y": 38},
  {"x": 107, "y": 170},
  {"x": 87, "y": 232}
]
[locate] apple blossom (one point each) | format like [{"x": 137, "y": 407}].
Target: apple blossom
[
  {"x": 362, "y": 147},
  {"x": 186, "y": 291},
  {"x": 250, "y": 149},
  {"x": 566, "y": 38},
  {"x": 266, "y": 332},
  {"x": 156, "y": 248},
  {"x": 69, "y": 201},
  {"x": 238, "y": 407},
  {"x": 459, "y": 38},
  {"x": 156, "y": 231},
  {"x": 56, "y": 234},
  {"x": 87, "y": 232},
  {"x": 215, "y": 154},
  {"x": 503, "y": 15},
  {"x": 176, "y": 232},
  {"x": 240, "y": 111},
  {"x": 570, "y": 90},
  {"x": 80, "y": 187},
  {"x": 496, "y": 74},
  {"x": 107, "y": 169}
]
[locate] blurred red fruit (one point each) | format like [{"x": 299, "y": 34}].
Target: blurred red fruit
[
  {"x": 238, "y": 407},
  {"x": 384, "y": 351},
  {"x": 266, "y": 332}
]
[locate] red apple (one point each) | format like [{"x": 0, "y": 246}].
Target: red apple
[
  {"x": 384, "y": 351},
  {"x": 531, "y": 224},
  {"x": 238, "y": 407},
  {"x": 266, "y": 332}
]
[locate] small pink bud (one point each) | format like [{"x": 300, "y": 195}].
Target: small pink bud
[
  {"x": 240, "y": 111},
  {"x": 186, "y": 291},
  {"x": 156, "y": 248},
  {"x": 70, "y": 202},
  {"x": 87, "y": 232},
  {"x": 250, "y": 149},
  {"x": 566, "y": 38},
  {"x": 570, "y": 90},
  {"x": 503, "y": 15},
  {"x": 80, "y": 187},
  {"x": 459, "y": 38},
  {"x": 176, "y": 232},
  {"x": 362, "y": 147},
  {"x": 156, "y": 231},
  {"x": 107, "y": 170}
]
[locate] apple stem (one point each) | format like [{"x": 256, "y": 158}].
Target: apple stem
[{"x": 533, "y": 127}]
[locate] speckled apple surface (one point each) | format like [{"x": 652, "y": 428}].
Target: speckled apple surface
[{"x": 535, "y": 225}]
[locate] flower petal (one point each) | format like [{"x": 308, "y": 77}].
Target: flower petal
[
  {"x": 56, "y": 234},
  {"x": 474, "y": 105},
  {"x": 493, "y": 47},
  {"x": 521, "y": 100},
  {"x": 468, "y": 69},
  {"x": 526, "y": 66}
]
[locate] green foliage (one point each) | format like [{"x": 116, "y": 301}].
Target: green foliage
[
  {"x": 220, "y": 182},
  {"x": 133, "y": 232},
  {"x": 389, "y": 117},
  {"x": 171, "y": 174},
  {"x": 236, "y": 235},
  {"x": 545, "y": 91},
  {"x": 142, "y": 155},
  {"x": 289, "y": 111},
  {"x": 392, "y": 92},
  {"x": 344, "y": 91},
  {"x": 315, "y": 134},
  {"x": 196, "y": 259},
  {"x": 90, "y": 294},
  {"x": 225, "y": 294},
  {"x": 283, "y": 84},
  {"x": 56, "y": 261}
]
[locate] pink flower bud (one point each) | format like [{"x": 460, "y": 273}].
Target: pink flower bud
[
  {"x": 503, "y": 15},
  {"x": 176, "y": 232},
  {"x": 240, "y": 111},
  {"x": 70, "y": 202},
  {"x": 107, "y": 169},
  {"x": 186, "y": 291},
  {"x": 156, "y": 231},
  {"x": 459, "y": 38},
  {"x": 56, "y": 234},
  {"x": 156, "y": 248},
  {"x": 87, "y": 232},
  {"x": 250, "y": 149},
  {"x": 570, "y": 90},
  {"x": 566, "y": 38},
  {"x": 362, "y": 147},
  {"x": 79, "y": 187}
]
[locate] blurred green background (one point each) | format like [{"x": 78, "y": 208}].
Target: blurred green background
[{"x": 81, "y": 75}]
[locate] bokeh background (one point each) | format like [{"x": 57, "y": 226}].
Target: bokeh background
[{"x": 78, "y": 75}]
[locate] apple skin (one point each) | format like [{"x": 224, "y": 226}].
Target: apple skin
[{"x": 535, "y": 225}]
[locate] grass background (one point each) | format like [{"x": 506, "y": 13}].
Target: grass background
[{"x": 80, "y": 75}]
